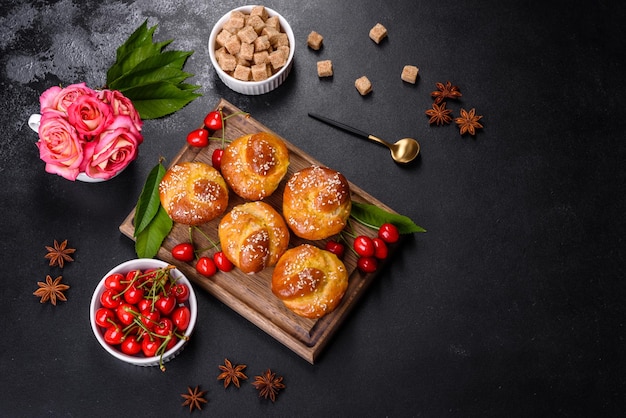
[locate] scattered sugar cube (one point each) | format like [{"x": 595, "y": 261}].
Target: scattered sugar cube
[
  {"x": 409, "y": 73},
  {"x": 363, "y": 85},
  {"x": 314, "y": 40},
  {"x": 325, "y": 68},
  {"x": 378, "y": 33}
]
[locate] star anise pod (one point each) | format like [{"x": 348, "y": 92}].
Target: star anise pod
[
  {"x": 468, "y": 122},
  {"x": 194, "y": 398},
  {"x": 445, "y": 91},
  {"x": 439, "y": 114},
  {"x": 268, "y": 385},
  {"x": 231, "y": 373},
  {"x": 59, "y": 254},
  {"x": 51, "y": 290}
]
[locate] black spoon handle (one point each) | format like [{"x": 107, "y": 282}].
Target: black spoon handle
[{"x": 340, "y": 125}]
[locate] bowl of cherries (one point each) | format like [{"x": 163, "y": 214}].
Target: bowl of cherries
[{"x": 143, "y": 312}]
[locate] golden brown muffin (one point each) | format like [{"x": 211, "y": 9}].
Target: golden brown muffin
[
  {"x": 193, "y": 193},
  {"x": 310, "y": 281},
  {"x": 253, "y": 165},
  {"x": 316, "y": 202},
  {"x": 253, "y": 236}
]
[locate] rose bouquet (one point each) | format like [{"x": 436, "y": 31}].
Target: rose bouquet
[
  {"x": 95, "y": 133},
  {"x": 81, "y": 130}
]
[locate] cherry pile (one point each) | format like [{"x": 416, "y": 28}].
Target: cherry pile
[
  {"x": 368, "y": 250},
  {"x": 144, "y": 313}
]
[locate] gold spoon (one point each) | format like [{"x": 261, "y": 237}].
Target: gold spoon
[{"x": 403, "y": 151}]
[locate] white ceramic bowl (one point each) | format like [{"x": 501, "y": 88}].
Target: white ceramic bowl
[
  {"x": 140, "y": 359},
  {"x": 253, "y": 87}
]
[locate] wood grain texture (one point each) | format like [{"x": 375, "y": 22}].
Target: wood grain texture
[{"x": 251, "y": 295}]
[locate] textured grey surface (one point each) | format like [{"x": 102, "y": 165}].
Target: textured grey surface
[{"x": 510, "y": 305}]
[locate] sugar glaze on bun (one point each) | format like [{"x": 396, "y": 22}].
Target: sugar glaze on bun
[
  {"x": 253, "y": 236},
  {"x": 193, "y": 193},
  {"x": 254, "y": 165},
  {"x": 310, "y": 281},
  {"x": 317, "y": 202}
]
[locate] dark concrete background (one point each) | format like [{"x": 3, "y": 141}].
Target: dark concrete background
[{"x": 512, "y": 304}]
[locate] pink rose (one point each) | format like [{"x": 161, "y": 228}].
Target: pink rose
[
  {"x": 113, "y": 150},
  {"x": 89, "y": 115},
  {"x": 56, "y": 98},
  {"x": 121, "y": 105},
  {"x": 59, "y": 145}
]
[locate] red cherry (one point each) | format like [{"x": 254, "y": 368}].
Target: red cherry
[
  {"x": 367, "y": 264},
  {"x": 130, "y": 345},
  {"x": 222, "y": 262},
  {"x": 180, "y": 292},
  {"x": 198, "y": 138},
  {"x": 216, "y": 158},
  {"x": 166, "y": 304},
  {"x": 183, "y": 252},
  {"x": 181, "y": 317},
  {"x": 105, "y": 317},
  {"x": 149, "y": 346},
  {"x": 335, "y": 247},
  {"x": 381, "y": 250},
  {"x": 364, "y": 246},
  {"x": 206, "y": 266},
  {"x": 388, "y": 233},
  {"x": 213, "y": 120}
]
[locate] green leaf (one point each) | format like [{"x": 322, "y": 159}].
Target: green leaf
[
  {"x": 140, "y": 36},
  {"x": 129, "y": 61},
  {"x": 374, "y": 217},
  {"x": 150, "y": 239},
  {"x": 162, "y": 67},
  {"x": 159, "y": 99},
  {"x": 149, "y": 201}
]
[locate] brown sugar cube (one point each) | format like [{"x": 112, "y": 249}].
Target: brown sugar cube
[
  {"x": 363, "y": 85},
  {"x": 259, "y": 11},
  {"x": 242, "y": 73},
  {"x": 314, "y": 40},
  {"x": 259, "y": 72},
  {"x": 270, "y": 32},
  {"x": 222, "y": 37},
  {"x": 235, "y": 22},
  {"x": 325, "y": 68},
  {"x": 246, "y": 51},
  {"x": 277, "y": 59},
  {"x": 409, "y": 74},
  {"x": 227, "y": 62},
  {"x": 273, "y": 22},
  {"x": 262, "y": 43},
  {"x": 241, "y": 60},
  {"x": 278, "y": 40},
  {"x": 256, "y": 22},
  {"x": 262, "y": 57},
  {"x": 285, "y": 50},
  {"x": 378, "y": 33},
  {"x": 247, "y": 34},
  {"x": 233, "y": 45}
]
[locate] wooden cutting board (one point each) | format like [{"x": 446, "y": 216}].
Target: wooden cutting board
[{"x": 251, "y": 295}]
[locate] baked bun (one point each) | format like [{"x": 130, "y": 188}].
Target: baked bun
[
  {"x": 253, "y": 236},
  {"x": 310, "y": 281},
  {"x": 253, "y": 165},
  {"x": 316, "y": 202},
  {"x": 193, "y": 193}
]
